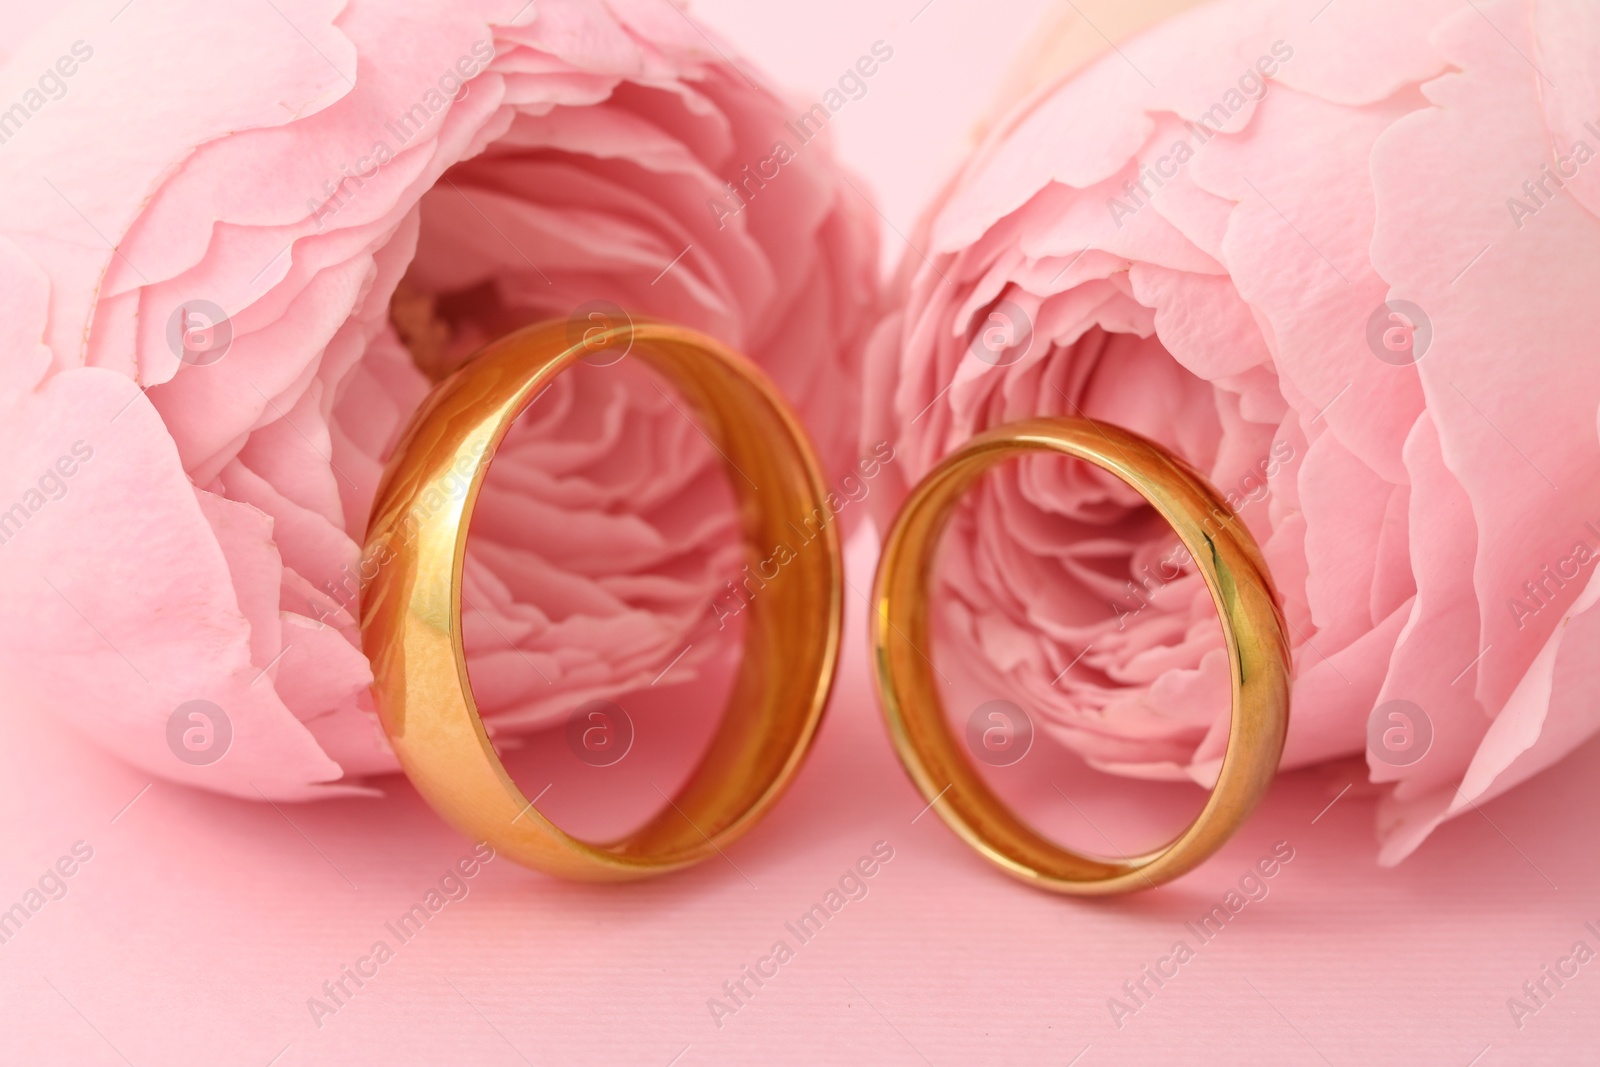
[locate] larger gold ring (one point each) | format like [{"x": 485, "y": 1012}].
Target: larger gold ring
[
  {"x": 1252, "y": 625},
  {"x": 411, "y": 612}
]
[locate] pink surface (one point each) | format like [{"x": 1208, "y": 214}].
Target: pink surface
[{"x": 200, "y": 927}]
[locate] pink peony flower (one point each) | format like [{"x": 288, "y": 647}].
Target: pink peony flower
[
  {"x": 1345, "y": 265},
  {"x": 237, "y": 242}
]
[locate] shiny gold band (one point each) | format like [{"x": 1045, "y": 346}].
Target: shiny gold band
[
  {"x": 1234, "y": 571},
  {"x": 411, "y": 613}
]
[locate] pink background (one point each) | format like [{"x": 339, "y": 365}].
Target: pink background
[{"x": 201, "y": 926}]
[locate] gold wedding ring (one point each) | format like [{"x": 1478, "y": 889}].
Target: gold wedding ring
[
  {"x": 411, "y": 610},
  {"x": 1236, "y": 574}
]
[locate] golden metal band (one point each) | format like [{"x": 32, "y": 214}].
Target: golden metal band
[
  {"x": 411, "y": 613},
  {"x": 1234, "y": 571}
]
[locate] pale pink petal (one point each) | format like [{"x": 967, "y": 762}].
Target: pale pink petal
[
  {"x": 1429, "y": 523},
  {"x": 314, "y": 159}
]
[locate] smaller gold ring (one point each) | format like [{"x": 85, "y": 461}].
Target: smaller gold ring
[
  {"x": 1253, "y": 629},
  {"x": 411, "y": 609}
]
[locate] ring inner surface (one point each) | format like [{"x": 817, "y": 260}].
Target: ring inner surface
[{"x": 771, "y": 711}]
